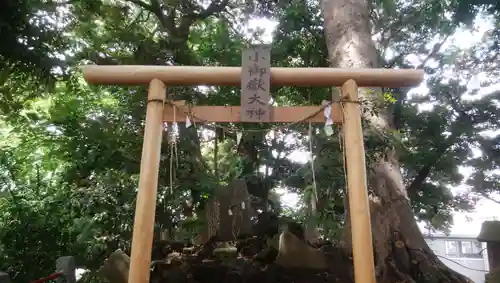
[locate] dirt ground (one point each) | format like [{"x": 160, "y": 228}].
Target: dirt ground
[
  {"x": 252, "y": 262},
  {"x": 257, "y": 259}
]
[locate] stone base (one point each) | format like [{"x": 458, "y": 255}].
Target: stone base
[
  {"x": 493, "y": 276},
  {"x": 4, "y": 277}
]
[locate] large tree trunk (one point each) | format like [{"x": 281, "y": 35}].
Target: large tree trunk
[{"x": 401, "y": 253}]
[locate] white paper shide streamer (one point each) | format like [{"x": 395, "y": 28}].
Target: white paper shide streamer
[
  {"x": 188, "y": 122},
  {"x": 238, "y": 137},
  {"x": 328, "y": 115}
]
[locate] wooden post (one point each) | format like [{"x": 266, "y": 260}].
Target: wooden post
[
  {"x": 142, "y": 238},
  {"x": 359, "y": 209}
]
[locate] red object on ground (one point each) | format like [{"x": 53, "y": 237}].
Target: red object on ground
[{"x": 50, "y": 277}]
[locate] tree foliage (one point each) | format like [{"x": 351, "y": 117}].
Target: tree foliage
[{"x": 70, "y": 151}]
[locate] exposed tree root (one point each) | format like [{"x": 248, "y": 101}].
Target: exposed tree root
[{"x": 255, "y": 261}]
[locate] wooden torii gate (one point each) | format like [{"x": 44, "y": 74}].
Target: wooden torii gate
[{"x": 159, "y": 77}]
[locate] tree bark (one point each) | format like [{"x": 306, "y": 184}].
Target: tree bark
[{"x": 348, "y": 37}]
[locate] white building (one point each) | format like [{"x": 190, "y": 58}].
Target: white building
[{"x": 461, "y": 253}]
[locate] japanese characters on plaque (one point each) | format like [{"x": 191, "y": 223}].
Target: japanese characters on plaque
[{"x": 255, "y": 84}]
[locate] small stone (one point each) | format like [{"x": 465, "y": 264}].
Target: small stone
[
  {"x": 4, "y": 277},
  {"x": 399, "y": 244},
  {"x": 66, "y": 265}
]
